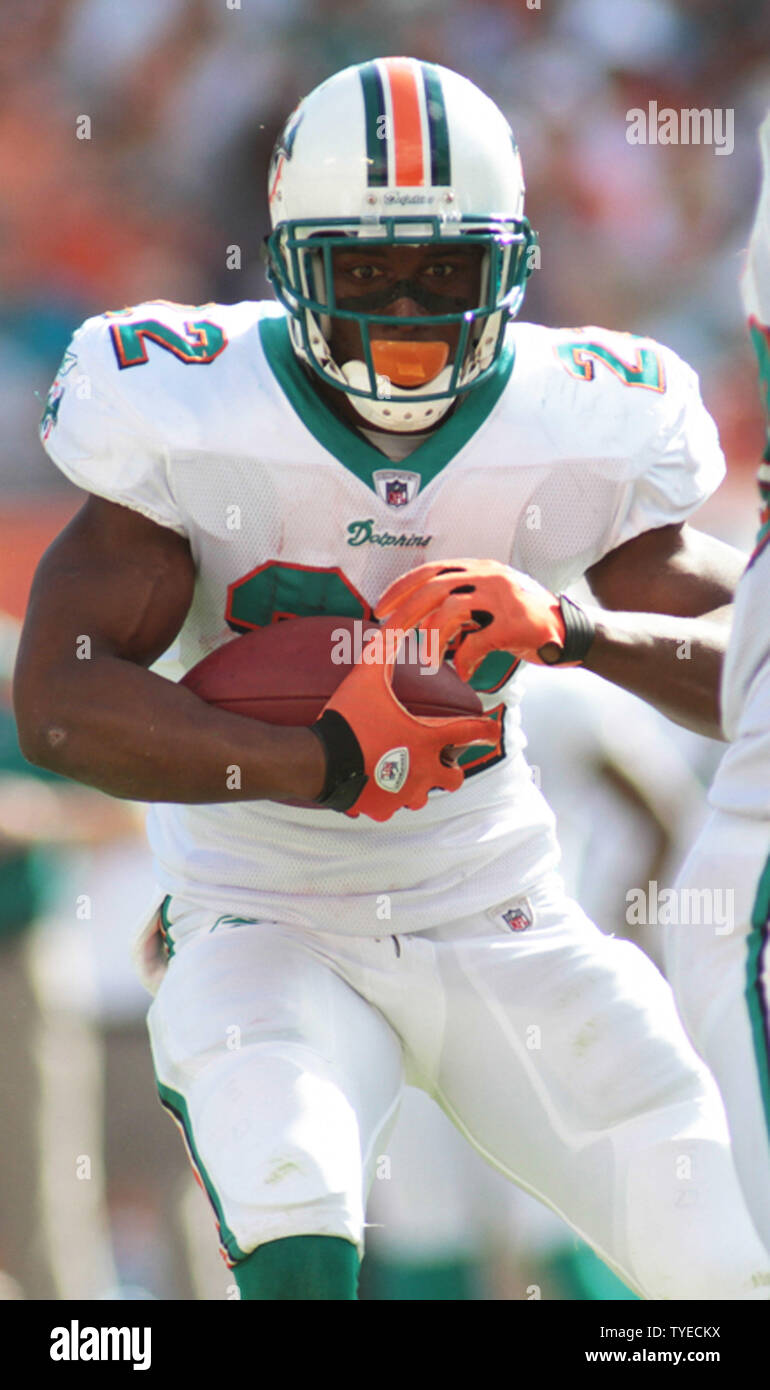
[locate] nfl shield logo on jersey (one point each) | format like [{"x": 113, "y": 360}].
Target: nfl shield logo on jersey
[
  {"x": 396, "y": 488},
  {"x": 518, "y": 918},
  {"x": 395, "y": 493}
]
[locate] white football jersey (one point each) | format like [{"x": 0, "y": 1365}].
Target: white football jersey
[
  {"x": 742, "y": 783},
  {"x": 202, "y": 419}
]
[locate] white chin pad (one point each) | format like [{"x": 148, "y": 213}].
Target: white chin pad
[{"x": 401, "y": 409}]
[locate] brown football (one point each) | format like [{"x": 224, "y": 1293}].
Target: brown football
[{"x": 285, "y": 673}]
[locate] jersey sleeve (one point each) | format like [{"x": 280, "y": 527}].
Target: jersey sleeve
[
  {"x": 98, "y": 438},
  {"x": 679, "y": 463}
]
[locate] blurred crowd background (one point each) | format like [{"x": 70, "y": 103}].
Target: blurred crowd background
[{"x": 185, "y": 98}]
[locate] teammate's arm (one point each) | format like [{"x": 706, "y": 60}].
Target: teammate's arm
[
  {"x": 664, "y": 624},
  {"x": 91, "y": 710}
]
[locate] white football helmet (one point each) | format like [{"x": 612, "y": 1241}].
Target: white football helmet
[{"x": 398, "y": 151}]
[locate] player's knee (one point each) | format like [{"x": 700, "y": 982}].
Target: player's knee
[
  {"x": 279, "y": 1147},
  {"x": 279, "y": 1124}
]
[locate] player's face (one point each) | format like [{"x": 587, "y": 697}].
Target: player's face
[{"x": 422, "y": 281}]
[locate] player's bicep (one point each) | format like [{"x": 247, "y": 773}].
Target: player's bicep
[
  {"x": 112, "y": 577},
  {"x": 670, "y": 569}
]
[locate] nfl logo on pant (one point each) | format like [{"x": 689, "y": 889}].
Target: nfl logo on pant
[{"x": 518, "y": 918}]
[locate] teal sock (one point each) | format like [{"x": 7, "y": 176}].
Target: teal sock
[
  {"x": 583, "y": 1277},
  {"x": 300, "y": 1267},
  {"x": 453, "y": 1280}
]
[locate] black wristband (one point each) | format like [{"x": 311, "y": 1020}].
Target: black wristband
[
  {"x": 579, "y": 633},
  {"x": 345, "y": 775}
]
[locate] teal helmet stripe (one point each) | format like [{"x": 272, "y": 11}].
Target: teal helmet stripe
[
  {"x": 438, "y": 127},
  {"x": 376, "y": 125}
]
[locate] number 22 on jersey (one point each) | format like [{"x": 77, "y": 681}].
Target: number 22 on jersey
[{"x": 646, "y": 369}]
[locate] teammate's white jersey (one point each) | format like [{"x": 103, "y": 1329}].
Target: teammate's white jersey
[
  {"x": 742, "y": 783},
  {"x": 202, "y": 419}
]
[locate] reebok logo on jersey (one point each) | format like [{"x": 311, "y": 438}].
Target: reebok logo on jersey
[
  {"x": 392, "y": 770},
  {"x": 363, "y": 533}
]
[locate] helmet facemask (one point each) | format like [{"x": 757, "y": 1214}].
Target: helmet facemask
[{"x": 300, "y": 267}]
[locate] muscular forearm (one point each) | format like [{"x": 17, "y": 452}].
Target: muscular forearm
[
  {"x": 121, "y": 728},
  {"x": 674, "y": 663}
]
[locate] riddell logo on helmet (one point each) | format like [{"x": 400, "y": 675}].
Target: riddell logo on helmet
[
  {"x": 408, "y": 198},
  {"x": 392, "y": 770}
]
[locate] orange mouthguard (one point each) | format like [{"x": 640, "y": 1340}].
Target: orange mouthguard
[{"x": 408, "y": 364}]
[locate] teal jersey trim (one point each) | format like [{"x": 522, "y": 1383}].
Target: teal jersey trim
[
  {"x": 165, "y": 929},
  {"x": 351, "y": 449},
  {"x": 755, "y": 994}
]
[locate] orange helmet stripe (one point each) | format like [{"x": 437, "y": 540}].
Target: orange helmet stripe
[{"x": 407, "y": 122}]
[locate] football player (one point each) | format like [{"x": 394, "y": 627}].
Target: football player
[
  {"x": 333, "y": 453},
  {"x": 720, "y": 976}
]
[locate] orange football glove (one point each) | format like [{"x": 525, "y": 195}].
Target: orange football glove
[
  {"x": 490, "y": 607},
  {"x": 379, "y": 756}
]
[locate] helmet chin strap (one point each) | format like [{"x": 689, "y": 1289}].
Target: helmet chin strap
[{"x": 398, "y": 410}]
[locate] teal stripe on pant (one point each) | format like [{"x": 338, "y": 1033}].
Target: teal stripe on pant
[{"x": 756, "y": 995}]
